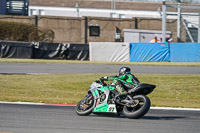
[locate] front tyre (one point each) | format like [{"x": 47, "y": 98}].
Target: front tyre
[
  {"x": 85, "y": 106},
  {"x": 142, "y": 106}
]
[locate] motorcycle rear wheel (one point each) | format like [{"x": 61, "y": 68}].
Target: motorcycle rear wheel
[
  {"x": 83, "y": 108},
  {"x": 140, "y": 109}
]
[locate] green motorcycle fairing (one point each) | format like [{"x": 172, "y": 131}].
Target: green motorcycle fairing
[
  {"x": 103, "y": 88},
  {"x": 104, "y": 106}
]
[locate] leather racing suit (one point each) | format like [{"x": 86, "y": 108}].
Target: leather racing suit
[{"x": 123, "y": 83}]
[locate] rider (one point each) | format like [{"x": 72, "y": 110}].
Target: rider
[{"x": 124, "y": 81}]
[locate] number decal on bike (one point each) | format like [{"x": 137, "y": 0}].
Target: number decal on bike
[{"x": 111, "y": 109}]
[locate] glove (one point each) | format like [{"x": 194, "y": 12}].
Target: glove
[{"x": 106, "y": 77}]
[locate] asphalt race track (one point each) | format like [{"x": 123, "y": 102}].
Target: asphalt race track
[
  {"x": 32, "y": 68},
  {"x": 63, "y": 119},
  {"x": 15, "y": 118}
]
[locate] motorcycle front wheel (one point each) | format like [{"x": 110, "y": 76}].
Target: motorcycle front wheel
[
  {"x": 141, "y": 107},
  {"x": 85, "y": 106}
]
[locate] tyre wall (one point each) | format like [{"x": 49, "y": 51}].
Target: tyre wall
[{"x": 39, "y": 50}]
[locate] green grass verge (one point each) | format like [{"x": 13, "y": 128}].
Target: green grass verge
[
  {"x": 195, "y": 64},
  {"x": 171, "y": 91}
]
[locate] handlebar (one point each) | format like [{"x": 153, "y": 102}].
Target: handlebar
[{"x": 102, "y": 81}]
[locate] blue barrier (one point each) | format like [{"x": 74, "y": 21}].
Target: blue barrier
[
  {"x": 185, "y": 52},
  {"x": 164, "y": 52},
  {"x": 149, "y": 52}
]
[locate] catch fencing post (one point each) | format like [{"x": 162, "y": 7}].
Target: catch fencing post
[
  {"x": 164, "y": 21},
  {"x": 199, "y": 30},
  {"x": 179, "y": 23}
]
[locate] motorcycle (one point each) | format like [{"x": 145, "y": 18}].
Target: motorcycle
[{"x": 103, "y": 98}]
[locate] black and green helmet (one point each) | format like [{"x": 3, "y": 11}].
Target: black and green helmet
[{"x": 124, "y": 70}]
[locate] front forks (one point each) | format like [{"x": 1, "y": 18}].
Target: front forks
[{"x": 88, "y": 99}]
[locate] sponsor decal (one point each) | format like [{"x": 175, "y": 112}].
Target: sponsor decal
[
  {"x": 101, "y": 108},
  {"x": 98, "y": 108}
]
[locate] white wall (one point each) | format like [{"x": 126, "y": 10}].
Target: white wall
[
  {"x": 109, "y": 51},
  {"x": 73, "y": 12},
  {"x": 172, "y": 1}
]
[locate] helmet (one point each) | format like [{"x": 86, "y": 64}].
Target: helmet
[{"x": 124, "y": 70}]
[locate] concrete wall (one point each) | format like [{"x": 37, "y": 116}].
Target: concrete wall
[
  {"x": 108, "y": 28},
  {"x": 66, "y": 29},
  {"x": 76, "y": 30},
  {"x": 19, "y": 19}
]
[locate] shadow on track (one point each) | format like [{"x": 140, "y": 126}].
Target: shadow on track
[
  {"x": 110, "y": 115},
  {"x": 144, "y": 117},
  {"x": 162, "y": 117}
]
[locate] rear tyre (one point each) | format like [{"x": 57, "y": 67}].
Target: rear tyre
[
  {"x": 140, "y": 109},
  {"x": 85, "y": 106}
]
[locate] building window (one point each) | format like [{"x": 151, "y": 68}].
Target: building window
[
  {"x": 94, "y": 30},
  {"x": 41, "y": 12},
  {"x": 113, "y": 15},
  {"x": 33, "y": 12},
  {"x": 121, "y": 15}
]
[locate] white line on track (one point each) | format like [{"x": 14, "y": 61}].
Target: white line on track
[
  {"x": 54, "y": 104},
  {"x": 170, "y": 108},
  {"x": 25, "y": 103}
]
